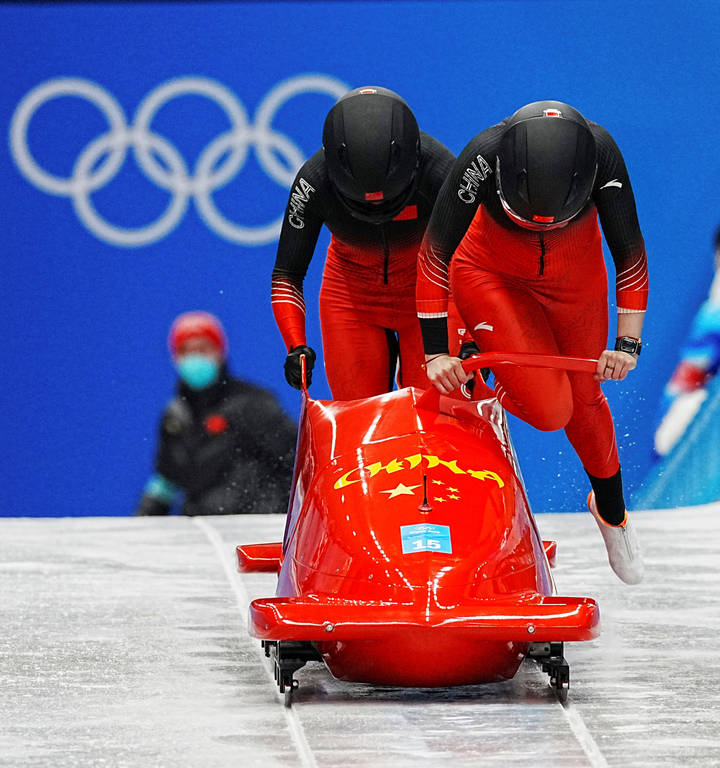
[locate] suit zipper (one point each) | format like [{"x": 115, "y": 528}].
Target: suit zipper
[
  {"x": 387, "y": 255},
  {"x": 542, "y": 254}
]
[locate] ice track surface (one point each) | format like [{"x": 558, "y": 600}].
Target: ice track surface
[{"x": 124, "y": 643}]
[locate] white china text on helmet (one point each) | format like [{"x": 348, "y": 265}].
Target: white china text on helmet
[{"x": 218, "y": 163}]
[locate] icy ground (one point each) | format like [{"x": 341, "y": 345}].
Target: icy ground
[{"x": 123, "y": 643}]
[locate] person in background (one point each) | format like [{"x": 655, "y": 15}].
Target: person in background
[
  {"x": 518, "y": 218},
  {"x": 373, "y": 184},
  {"x": 699, "y": 362},
  {"x": 225, "y": 446}
]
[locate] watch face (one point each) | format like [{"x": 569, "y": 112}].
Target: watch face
[{"x": 629, "y": 345}]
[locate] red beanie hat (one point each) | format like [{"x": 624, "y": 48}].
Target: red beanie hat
[{"x": 197, "y": 324}]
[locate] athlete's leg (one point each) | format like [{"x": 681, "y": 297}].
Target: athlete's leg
[
  {"x": 358, "y": 359},
  {"x": 580, "y": 327},
  {"x": 508, "y": 319},
  {"x": 411, "y": 371},
  {"x": 592, "y": 434}
]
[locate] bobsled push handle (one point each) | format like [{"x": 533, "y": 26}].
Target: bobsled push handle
[
  {"x": 530, "y": 360},
  {"x": 303, "y": 375},
  {"x": 430, "y": 399}
]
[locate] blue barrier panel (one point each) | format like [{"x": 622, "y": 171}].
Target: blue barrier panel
[
  {"x": 690, "y": 473},
  {"x": 148, "y": 152}
]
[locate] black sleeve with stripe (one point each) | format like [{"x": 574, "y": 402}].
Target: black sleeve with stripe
[
  {"x": 302, "y": 221},
  {"x": 615, "y": 202},
  {"x": 469, "y": 184}
]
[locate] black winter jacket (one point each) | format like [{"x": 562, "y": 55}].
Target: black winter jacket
[{"x": 230, "y": 448}]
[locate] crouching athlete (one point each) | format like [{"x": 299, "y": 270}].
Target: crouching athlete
[
  {"x": 373, "y": 184},
  {"x": 515, "y": 237}
]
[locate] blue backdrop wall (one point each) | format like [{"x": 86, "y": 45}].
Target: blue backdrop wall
[{"x": 108, "y": 234}]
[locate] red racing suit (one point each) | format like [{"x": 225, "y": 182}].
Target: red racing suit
[
  {"x": 367, "y": 299},
  {"x": 518, "y": 290}
]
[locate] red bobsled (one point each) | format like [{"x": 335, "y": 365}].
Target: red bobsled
[{"x": 410, "y": 555}]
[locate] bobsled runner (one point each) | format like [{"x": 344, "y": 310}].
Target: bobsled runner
[{"x": 410, "y": 555}]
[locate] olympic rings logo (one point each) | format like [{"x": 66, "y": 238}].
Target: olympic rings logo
[{"x": 218, "y": 163}]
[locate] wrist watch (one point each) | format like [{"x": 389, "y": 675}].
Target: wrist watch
[{"x": 628, "y": 344}]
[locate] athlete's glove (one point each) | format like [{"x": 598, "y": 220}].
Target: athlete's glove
[
  {"x": 292, "y": 366},
  {"x": 468, "y": 349}
]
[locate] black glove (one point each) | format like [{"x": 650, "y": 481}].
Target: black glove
[
  {"x": 468, "y": 349},
  {"x": 292, "y": 366},
  {"x": 151, "y": 505}
]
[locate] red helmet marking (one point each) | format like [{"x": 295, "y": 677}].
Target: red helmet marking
[
  {"x": 371, "y": 196},
  {"x": 543, "y": 219}
]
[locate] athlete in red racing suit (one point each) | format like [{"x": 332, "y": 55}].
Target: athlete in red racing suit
[
  {"x": 373, "y": 185},
  {"x": 515, "y": 238}
]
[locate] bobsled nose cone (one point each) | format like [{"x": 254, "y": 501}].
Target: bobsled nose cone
[{"x": 622, "y": 546}]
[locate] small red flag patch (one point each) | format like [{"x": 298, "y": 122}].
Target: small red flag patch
[
  {"x": 408, "y": 212},
  {"x": 216, "y": 424}
]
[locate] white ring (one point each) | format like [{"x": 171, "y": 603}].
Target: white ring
[
  {"x": 125, "y": 236},
  {"x": 218, "y": 163},
  {"x": 191, "y": 86},
  {"x": 64, "y": 86}
]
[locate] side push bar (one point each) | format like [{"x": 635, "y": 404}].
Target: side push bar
[{"x": 430, "y": 399}]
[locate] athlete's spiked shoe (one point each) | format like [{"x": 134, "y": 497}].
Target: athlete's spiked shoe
[{"x": 621, "y": 544}]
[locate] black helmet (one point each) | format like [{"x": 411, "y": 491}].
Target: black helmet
[
  {"x": 372, "y": 150},
  {"x": 546, "y": 165}
]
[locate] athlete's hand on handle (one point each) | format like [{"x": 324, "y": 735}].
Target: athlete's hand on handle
[
  {"x": 445, "y": 372},
  {"x": 292, "y": 366},
  {"x": 614, "y": 365}
]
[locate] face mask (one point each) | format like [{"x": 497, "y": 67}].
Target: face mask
[{"x": 197, "y": 371}]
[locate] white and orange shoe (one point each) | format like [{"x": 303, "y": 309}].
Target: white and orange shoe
[{"x": 622, "y": 546}]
